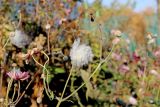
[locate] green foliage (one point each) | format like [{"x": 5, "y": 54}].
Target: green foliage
[{"x": 58, "y": 70}]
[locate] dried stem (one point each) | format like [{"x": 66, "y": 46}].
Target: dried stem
[
  {"x": 16, "y": 102},
  {"x": 64, "y": 89},
  {"x": 46, "y": 86},
  {"x": 8, "y": 89}
]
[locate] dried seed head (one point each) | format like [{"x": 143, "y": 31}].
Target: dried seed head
[{"x": 80, "y": 54}]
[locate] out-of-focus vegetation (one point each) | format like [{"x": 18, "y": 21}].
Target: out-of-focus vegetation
[{"x": 37, "y": 36}]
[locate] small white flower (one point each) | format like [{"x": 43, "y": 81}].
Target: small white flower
[
  {"x": 128, "y": 41},
  {"x": 149, "y": 36},
  {"x": 132, "y": 100},
  {"x": 150, "y": 41},
  {"x": 1, "y": 100},
  {"x": 48, "y": 26},
  {"x": 80, "y": 54},
  {"x": 39, "y": 100},
  {"x": 154, "y": 72},
  {"x": 116, "y": 32}
]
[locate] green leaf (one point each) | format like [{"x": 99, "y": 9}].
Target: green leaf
[
  {"x": 49, "y": 78},
  {"x": 59, "y": 70},
  {"x": 104, "y": 67}
]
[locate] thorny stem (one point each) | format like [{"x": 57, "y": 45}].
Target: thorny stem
[
  {"x": 99, "y": 65},
  {"x": 64, "y": 89}
]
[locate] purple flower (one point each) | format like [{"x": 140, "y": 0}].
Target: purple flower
[
  {"x": 123, "y": 69},
  {"x": 16, "y": 74},
  {"x": 157, "y": 53},
  {"x": 116, "y": 56},
  {"x": 140, "y": 72}
]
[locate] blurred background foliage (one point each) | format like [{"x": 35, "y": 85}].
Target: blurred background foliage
[{"x": 70, "y": 19}]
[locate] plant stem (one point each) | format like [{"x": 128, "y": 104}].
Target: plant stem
[
  {"x": 48, "y": 37},
  {"x": 99, "y": 65},
  {"x": 158, "y": 93},
  {"x": 20, "y": 19},
  {"x": 82, "y": 84},
  {"x": 47, "y": 90},
  {"x": 1, "y": 82},
  {"x": 19, "y": 87},
  {"x": 6, "y": 43},
  {"x": 64, "y": 89},
  {"x": 101, "y": 42},
  {"x": 16, "y": 102},
  {"x": 73, "y": 89},
  {"x": 8, "y": 89},
  {"x": 14, "y": 92}
]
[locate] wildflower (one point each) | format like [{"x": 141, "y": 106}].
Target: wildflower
[
  {"x": 16, "y": 74},
  {"x": 39, "y": 100},
  {"x": 1, "y": 100},
  {"x": 62, "y": 20},
  {"x": 151, "y": 38},
  {"x": 128, "y": 41},
  {"x": 155, "y": 73},
  {"x": 68, "y": 11},
  {"x": 48, "y": 26},
  {"x": 136, "y": 57},
  {"x": 140, "y": 71},
  {"x": 116, "y": 32},
  {"x": 116, "y": 56},
  {"x": 80, "y": 54},
  {"x": 28, "y": 55},
  {"x": 132, "y": 100},
  {"x": 157, "y": 53},
  {"x": 151, "y": 41},
  {"x": 124, "y": 68},
  {"x": 115, "y": 40}
]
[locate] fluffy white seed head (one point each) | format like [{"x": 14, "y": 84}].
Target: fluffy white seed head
[
  {"x": 80, "y": 54},
  {"x": 20, "y": 39}
]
